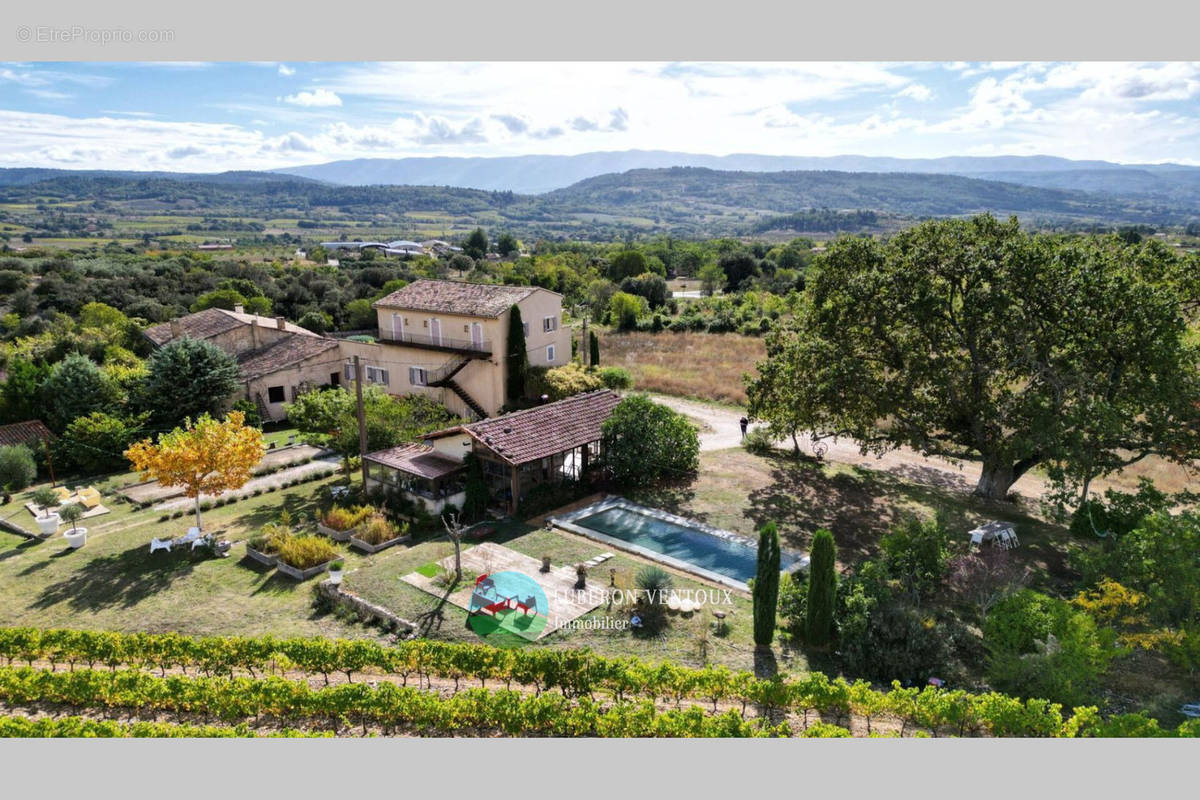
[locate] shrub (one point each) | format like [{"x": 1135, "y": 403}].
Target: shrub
[
  {"x": 793, "y": 605},
  {"x": 653, "y": 584},
  {"x": 615, "y": 377},
  {"x": 570, "y": 379},
  {"x": 272, "y": 537},
  {"x": 759, "y": 441},
  {"x": 305, "y": 552},
  {"x": 17, "y": 469},
  {"x": 915, "y": 553},
  {"x": 1041, "y": 646},
  {"x": 343, "y": 519}
]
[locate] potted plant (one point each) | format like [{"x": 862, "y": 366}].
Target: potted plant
[
  {"x": 336, "y": 570},
  {"x": 377, "y": 533},
  {"x": 545, "y": 563},
  {"x": 580, "y": 576},
  {"x": 76, "y": 536},
  {"x": 48, "y": 521}
]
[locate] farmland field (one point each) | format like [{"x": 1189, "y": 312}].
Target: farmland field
[{"x": 706, "y": 366}]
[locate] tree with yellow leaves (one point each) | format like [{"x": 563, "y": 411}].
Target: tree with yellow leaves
[{"x": 209, "y": 457}]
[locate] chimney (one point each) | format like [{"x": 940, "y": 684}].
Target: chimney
[
  {"x": 176, "y": 329},
  {"x": 239, "y": 309},
  {"x": 254, "y": 332},
  {"x": 281, "y": 323}
]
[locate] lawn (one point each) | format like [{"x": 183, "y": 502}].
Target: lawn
[
  {"x": 739, "y": 491},
  {"x": 685, "y": 640},
  {"x": 706, "y": 366},
  {"x": 114, "y": 583}
]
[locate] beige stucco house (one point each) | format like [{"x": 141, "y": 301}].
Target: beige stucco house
[
  {"x": 447, "y": 340},
  {"x": 277, "y": 359},
  {"x": 443, "y": 339}
]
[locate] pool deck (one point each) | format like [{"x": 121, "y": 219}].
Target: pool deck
[
  {"x": 566, "y": 602},
  {"x": 568, "y": 522}
]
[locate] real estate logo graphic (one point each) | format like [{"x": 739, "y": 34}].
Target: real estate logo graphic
[{"x": 509, "y": 602}]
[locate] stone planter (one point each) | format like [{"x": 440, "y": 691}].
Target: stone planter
[
  {"x": 336, "y": 535},
  {"x": 266, "y": 559},
  {"x": 336, "y": 575},
  {"x": 48, "y": 524},
  {"x": 367, "y": 547},
  {"x": 301, "y": 574},
  {"x": 76, "y": 537}
]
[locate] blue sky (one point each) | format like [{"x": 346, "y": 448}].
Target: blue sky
[{"x": 209, "y": 117}]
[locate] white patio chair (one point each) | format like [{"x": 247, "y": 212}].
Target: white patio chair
[
  {"x": 201, "y": 541},
  {"x": 161, "y": 544}
]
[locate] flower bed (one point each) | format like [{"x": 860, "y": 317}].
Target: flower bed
[
  {"x": 377, "y": 533},
  {"x": 303, "y": 557},
  {"x": 340, "y": 524}
]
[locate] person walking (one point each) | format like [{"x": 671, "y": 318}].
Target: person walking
[{"x": 745, "y": 423}]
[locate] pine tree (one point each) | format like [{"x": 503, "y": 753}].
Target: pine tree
[
  {"x": 516, "y": 360},
  {"x": 822, "y": 589},
  {"x": 594, "y": 349},
  {"x": 766, "y": 585}
]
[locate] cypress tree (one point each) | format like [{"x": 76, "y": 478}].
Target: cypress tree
[
  {"x": 766, "y": 585},
  {"x": 822, "y": 589},
  {"x": 516, "y": 359},
  {"x": 594, "y": 349}
]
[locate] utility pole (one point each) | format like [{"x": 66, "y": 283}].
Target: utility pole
[{"x": 362, "y": 421}]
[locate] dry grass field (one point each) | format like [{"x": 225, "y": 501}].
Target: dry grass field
[{"x": 707, "y": 366}]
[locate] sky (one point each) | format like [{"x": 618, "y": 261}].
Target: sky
[{"x": 210, "y": 117}]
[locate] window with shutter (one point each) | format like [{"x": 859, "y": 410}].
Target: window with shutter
[
  {"x": 349, "y": 372},
  {"x": 383, "y": 377},
  {"x": 550, "y": 354}
]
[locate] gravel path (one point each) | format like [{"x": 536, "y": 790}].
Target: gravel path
[
  {"x": 724, "y": 431},
  {"x": 276, "y": 479}
]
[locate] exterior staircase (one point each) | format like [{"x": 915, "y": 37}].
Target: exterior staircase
[{"x": 444, "y": 377}]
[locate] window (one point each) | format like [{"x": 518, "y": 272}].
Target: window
[
  {"x": 377, "y": 375},
  {"x": 348, "y": 371},
  {"x": 275, "y": 394},
  {"x": 525, "y": 326},
  {"x": 550, "y": 354},
  {"x": 549, "y": 324},
  {"x": 417, "y": 377}
]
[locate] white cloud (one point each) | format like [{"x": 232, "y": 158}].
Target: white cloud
[
  {"x": 317, "y": 98},
  {"x": 917, "y": 91},
  {"x": 286, "y": 71}
]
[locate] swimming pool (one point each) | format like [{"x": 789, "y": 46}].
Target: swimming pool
[{"x": 686, "y": 544}]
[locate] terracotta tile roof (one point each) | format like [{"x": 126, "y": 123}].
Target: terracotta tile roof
[
  {"x": 213, "y": 321},
  {"x": 26, "y": 433},
  {"x": 282, "y": 353},
  {"x": 539, "y": 432},
  {"x": 417, "y": 459},
  {"x": 455, "y": 297}
]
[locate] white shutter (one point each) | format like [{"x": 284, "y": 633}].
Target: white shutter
[
  {"x": 383, "y": 377},
  {"x": 349, "y": 372}
]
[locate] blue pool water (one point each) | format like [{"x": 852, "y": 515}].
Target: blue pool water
[{"x": 731, "y": 558}]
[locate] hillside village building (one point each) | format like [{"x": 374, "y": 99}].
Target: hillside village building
[{"x": 442, "y": 339}]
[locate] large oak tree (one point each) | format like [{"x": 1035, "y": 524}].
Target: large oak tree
[{"x": 971, "y": 339}]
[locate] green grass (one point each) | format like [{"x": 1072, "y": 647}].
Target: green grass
[{"x": 114, "y": 583}]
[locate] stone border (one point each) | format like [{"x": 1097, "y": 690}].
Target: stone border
[
  {"x": 568, "y": 522},
  {"x": 266, "y": 559},
  {"x": 366, "y": 611}
]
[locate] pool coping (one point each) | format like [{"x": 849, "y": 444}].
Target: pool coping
[{"x": 567, "y": 523}]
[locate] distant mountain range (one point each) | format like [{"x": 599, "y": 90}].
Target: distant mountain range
[
  {"x": 539, "y": 174},
  {"x": 682, "y": 201}
]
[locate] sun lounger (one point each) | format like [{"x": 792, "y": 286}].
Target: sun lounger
[
  {"x": 160, "y": 544},
  {"x": 63, "y": 493}
]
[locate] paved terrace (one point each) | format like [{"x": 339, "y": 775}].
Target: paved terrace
[{"x": 566, "y": 603}]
